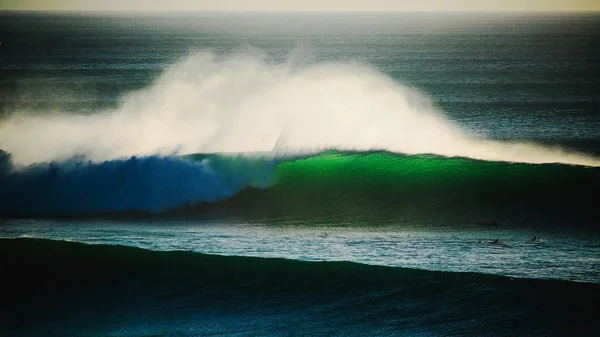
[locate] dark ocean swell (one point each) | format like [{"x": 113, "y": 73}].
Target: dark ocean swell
[
  {"x": 329, "y": 186},
  {"x": 54, "y": 288}
]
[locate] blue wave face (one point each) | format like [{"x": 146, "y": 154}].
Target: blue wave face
[{"x": 148, "y": 184}]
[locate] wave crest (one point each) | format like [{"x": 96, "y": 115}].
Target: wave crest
[{"x": 243, "y": 103}]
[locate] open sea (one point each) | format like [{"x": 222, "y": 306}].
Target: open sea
[{"x": 299, "y": 174}]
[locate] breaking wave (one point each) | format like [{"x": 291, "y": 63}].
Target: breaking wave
[
  {"x": 244, "y": 103},
  {"x": 332, "y": 185}
]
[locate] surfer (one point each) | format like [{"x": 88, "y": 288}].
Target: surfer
[{"x": 536, "y": 239}]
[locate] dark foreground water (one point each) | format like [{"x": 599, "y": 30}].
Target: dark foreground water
[
  {"x": 383, "y": 155},
  {"x": 71, "y": 289}
]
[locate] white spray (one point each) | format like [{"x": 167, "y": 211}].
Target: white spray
[{"x": 242, "y": 103}]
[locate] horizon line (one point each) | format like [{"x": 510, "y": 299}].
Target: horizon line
[{"x": 292, "y": 11}]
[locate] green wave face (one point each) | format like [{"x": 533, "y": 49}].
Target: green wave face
[
  {"x": 385, "y": 170},
  {"x": 349, "y": 187}
]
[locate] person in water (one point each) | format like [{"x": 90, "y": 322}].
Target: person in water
[{"x": 536, "y": 239}]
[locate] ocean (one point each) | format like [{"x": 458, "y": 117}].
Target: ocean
[{"x": 299, "y": 174}]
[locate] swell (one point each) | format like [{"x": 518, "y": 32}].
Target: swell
[
  {"x": 331, "y": 186},
  {"x": 54, "y": 285}
]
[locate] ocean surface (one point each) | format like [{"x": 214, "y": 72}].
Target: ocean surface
[{"x": 299, "y": 174}]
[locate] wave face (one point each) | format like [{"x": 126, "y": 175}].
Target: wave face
[
  {"x": 243, "y": 103},
  {"x": 114, "y": 290},
  {"x": 382, "y": 187},
  {"x": 148, "y": 184},
  {"x": 333, "y": 185}
]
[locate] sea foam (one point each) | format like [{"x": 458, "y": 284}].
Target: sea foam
[{"x": 244, "y": 103}]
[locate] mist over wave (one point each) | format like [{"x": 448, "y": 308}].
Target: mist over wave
[{"x": 244, "y": 103}]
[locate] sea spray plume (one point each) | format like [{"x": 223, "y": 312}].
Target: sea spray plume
[
  {"x": 242, "y": 103},
  {"x": 149, "y": 184}
]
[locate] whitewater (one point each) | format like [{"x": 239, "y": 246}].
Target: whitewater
[{"x": 245, "y": 103}]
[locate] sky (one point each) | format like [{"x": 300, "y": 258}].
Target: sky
[{"x": 306, "y": 5}]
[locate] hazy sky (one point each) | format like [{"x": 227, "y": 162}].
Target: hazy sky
[{"x": 307, "y": 5}]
